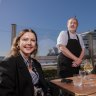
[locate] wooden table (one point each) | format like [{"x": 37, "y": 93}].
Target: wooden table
[
  {"x": 94, "y": 94},
  {"x": 85, "y": 90}
]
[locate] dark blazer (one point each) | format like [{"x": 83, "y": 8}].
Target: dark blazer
[{"x": 15, "y": 79}]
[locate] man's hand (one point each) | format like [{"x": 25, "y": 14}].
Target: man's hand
[{"x": 76, "y": 63}]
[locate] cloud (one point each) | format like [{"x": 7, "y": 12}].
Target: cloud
[{"x": 44, "y": 46}]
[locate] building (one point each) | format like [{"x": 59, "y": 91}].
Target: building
[
  {"x": 90, "y": 40},
  {"x": 90, "y": 44},
  {"x": 1, "y": 58}
]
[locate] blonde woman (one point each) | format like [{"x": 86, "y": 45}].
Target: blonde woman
[{"x": 21, "y": 74}]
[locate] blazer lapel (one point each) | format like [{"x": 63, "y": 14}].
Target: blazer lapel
[{"x": 22, "y": 68}]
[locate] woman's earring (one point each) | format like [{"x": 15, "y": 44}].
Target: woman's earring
[{"x": 17, "y": 46}]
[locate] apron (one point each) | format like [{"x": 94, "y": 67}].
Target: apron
[{"x": 65, "y": 68}]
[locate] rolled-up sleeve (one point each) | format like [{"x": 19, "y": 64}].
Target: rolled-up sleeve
[
  {"x": 62, "y": 39},
  {"x": 81, "y": 42}
]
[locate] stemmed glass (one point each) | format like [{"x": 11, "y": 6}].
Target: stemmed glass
[
  {"x": 88, "y": 67},
  {"x": 82, "y": 72}
]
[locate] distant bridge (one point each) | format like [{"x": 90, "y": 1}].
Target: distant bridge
[{"x": 47, "y": 59}]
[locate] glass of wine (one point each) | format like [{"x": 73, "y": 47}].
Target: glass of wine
[{"x": 88, "y": 67}]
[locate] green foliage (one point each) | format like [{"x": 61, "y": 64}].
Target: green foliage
[{"x": 50, "y": 73}]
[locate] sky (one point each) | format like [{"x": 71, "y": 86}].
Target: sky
[{"x": 46, "y": 17}]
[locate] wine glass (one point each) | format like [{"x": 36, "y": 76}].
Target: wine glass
[
  {"x": 82, "y": 72},
  {"x": 88, "y": 67},
  {"x": 82, "y": 66}
]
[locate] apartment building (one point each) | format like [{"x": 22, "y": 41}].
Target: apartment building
[{"x": 90, "y": 44}]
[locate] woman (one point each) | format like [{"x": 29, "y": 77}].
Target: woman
[
  {"x": 20, "y": 74},
  {"x": 71, "y": 48}
]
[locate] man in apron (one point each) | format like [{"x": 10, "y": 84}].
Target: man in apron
[{"x": 71, "y": 47}]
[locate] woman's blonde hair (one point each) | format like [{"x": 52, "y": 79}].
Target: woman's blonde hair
[{"x": 15, "y": 48}]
